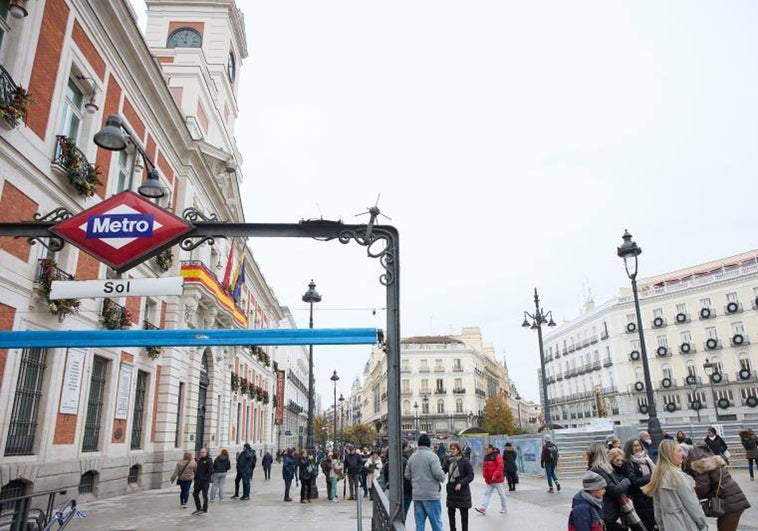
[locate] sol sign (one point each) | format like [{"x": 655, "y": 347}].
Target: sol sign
[{"x": 123, "y": 230}]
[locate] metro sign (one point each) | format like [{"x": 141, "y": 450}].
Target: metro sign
[{"x": 123, "y": 231}]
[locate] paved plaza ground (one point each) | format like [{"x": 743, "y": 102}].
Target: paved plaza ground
[{"x": 530, "y": 505}]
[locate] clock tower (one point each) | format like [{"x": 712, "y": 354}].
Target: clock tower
[{"x": 200, "y": 45}]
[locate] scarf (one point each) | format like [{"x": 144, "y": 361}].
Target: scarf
[
  {"x": 453, "y": 472},
  {"x": 644, "y": 462},
  {"x": 594, "y": 502}
]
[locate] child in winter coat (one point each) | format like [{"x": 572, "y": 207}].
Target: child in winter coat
[{"x": 587, "y": 505}]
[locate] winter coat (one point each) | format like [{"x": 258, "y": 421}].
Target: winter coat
[
  {"x": 288, "y": 467},
  {"x": 182, "y": 472},
  {"x": 204, "y": 471},
  {"x": 750, "y": 444},
  {"x": 707, "y": 469},
  {"x": 373, "y": 468},
  {"x": 221, "y": 464},
  {"x": 545, "y": 456},
  {"x": 492, "y": 468},
  {"x": 253, "y": 461},
  {"x": 643, "y": 504},
  {"x": 244, "y": 458},
  {"x": 267, "y": 461},
  {"x": 616, "y": 485},
  {"x": 717, "y": 445},
  {"x": 425, "y": 473},
  {"x": 584, "y": 517},
  {"x": 509, "y": 460},
  {"x": 353, "y": 463},
  {"x": 326, "y": 466},
  {"x": 459, "y": 499},
  {"x": 677, "y": 507},
  {"x": 302, "y": 468}
]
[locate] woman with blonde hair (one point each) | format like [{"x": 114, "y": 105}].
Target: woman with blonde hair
[
  {"x": 675, "y": 503},
  {"x": 616, "y": 484}
]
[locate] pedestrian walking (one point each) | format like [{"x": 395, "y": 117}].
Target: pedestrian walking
[
  {"x": 750, "y": 444},
  {"x": 353, "y": 465},
  {"x": 647, "y": 444},
  {"x": 459, "y": 474},
  {"x": 615, "y": 485},
  {"x": 493, "y": 474},
  {"x": 587, "y": 504},
  {"x": 244, "y": 458},
  {"x": 326, "y": 468},
  {"x": 373, "y": 468},
  {"x": 288, "y": 473},
  {"x": 253, "y": 462},
  {"x": 638, "y": 469},
  {"x": 363, "y": 473},
  {"x": 203, "y": 476},
  {"x": 306, "y": 466},
  {"x": 713, "y": 479},
  {"x": 335, "y": 475},
  {"x": 266, "y": 463},
  {"x": 676, "y": 505},
  {"x": 184, "y": 473},
  {"x": 549, "y": 461},
  {"x": 221, "y": 466},
  {"x": 509, "y": 466},
  {"x": 717, "y": 444},
  {"x": 426, "y": 475}
]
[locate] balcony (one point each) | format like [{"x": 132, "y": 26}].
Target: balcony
[
  {"x": 746, "y": 375},
  {"x": 706, "y": 313},
  {"x": 457, "y": 369},
  {"x": 712, "y": 344},
  {"x": 13, "y": 100},
  {"x": 440, "y": 391},
  {"x": 596, "y": 365},
  {"x": 719, "y": 378},
  {"x": 687, "y": 348},
  {"x": 423, "y": 369},
  {"x": 658, "y": 322},
  {"x": 114, "y": 316},
  {"x": 739, "y": 340},
  {"x": 662, "y": 351},
  {"x": 459, "y": 390},
  {"x": 71, "y": 162},
  {"x": 480, "y": 392},
  {"x": 690, "y": 380},
  {"x": 559, "y": 378},
  {"x": 682, "y": 318},
  {"x": 405, "y": 370},
  {"x": 607, "y": 362},
  {"x": 200, "y": 280},
  {"x": 733, "y": 307},
  {"x": 294, "y": 407},
  {"x": 439, "y": 369},
  {"x": 406, "y": 392}
]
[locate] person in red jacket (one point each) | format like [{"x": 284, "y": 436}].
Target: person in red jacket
[{"x": 492, "y": 472}]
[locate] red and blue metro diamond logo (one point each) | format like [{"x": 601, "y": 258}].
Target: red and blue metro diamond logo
[{"x": 122, "y": 231}]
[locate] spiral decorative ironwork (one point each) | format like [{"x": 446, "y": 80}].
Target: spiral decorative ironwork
[
  {"x": 188, "y": 244},
  {"x": 53, "y": 243},
  {"x": 193, "y": 215},
  {"x": 378, "y": 243},
  {"x": 59, "y": 214}
]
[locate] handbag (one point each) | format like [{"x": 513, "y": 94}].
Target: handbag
[
  {"x": 629, "y": 516},
  {"x": 713, "y": 506},
  {"x": 726, "y": 455}
]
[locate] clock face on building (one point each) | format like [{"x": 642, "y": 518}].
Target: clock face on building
[
  {"x": 185, "y": 38},
  {"x": 231, "y": 68}
]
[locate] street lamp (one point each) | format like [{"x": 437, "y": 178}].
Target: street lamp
[
  {"x": 335, "y": 378},
  {"x": 111, "y": 137},
  {"x": 415, "y": 413},
  {"x": 629, "y": 251},
  {"x": 425, "y": 410},
  {"x": 695, "y": 404},
  {"x": 711, "y": 371},
  {"x": 311, "y": 296},
  {"x": 539, "y": 318},
  {"x": 518, "y": 401},
  {"x": 341, "y": 400}
]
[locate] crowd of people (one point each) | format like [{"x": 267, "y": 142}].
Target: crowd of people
[
  {"x": 675, "y": 486},
  {"x": 629, "y": 484}
]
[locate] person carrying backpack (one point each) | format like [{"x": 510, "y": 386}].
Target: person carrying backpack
[
  {"x": 549, "y": 461},
  {"x": 750, "y": 444}
]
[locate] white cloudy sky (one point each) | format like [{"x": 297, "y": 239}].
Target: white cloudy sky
[{"x": 512, "y": 143}]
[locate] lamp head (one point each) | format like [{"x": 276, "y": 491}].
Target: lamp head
[
  {"x": 525, "y": 324},
  {"x": 629, "y": 251},
  {"x": 334, "y": 377},
  {"x": 551, "y": 322},
  {"x": 17, "y": 9},
  {"x": 91, "y": 106},
  {"x": 151, "y": 188},
  {"x": 341, "y": 398},
  {"x": 111, "y": 136},
  {"x": 311, "y": 295}
]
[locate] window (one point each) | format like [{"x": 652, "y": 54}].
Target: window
[
  {"x": 691, "y": 370},
  {"x": 405, "y": 366},
  {"x": 440, "y": 384},
  {"x": 681, "y": 308},
  {"x": 73, "y": 111},
  {"x": 440, "y": 406},
  {"x": 731, "y": 297},
  {"x": 738, "y": 328},
  {"x": 663, "y": 341},
  {"x": 686, "y": 337},
  {"x": 718, "y": 367},
  {"x": 658, "y": 312},
  {"x": 12, "y": 489},
  {"x": 459, "y": 405},
  {"x": 424, "y": 386},
  {"x": 710, "y": 333},
  {"x": 124, "y": 171},
  {"x": 744, "y": 362},
  {"x": 635, "y": 343},
  {"x": 425, "y": 407},
  {"x": 631, "y": 318},
  {"x": 87, "y": 482},
  {"x": 438, "y": 366},
  {"x": 95, "y": 406},
  {"x": 231, "y": 67},
  {"x": 406, "y": 386},
  {"x": 406, "y": 407},
  {"x": 458, "y": 383},
  {"x": 134, "y": 473},
  {"x": 705, "y": 303},
  {"x": 457, "y": 365},
  {"x": 666, "y": 371},
  {"x": 138, "y": 416},
  {"x": 26, "y": 400},
  {"x": 424, "y": 366}
]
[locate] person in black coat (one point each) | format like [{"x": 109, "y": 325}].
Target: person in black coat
[
  {"x": 266, "y": 463},
  {"x": 616, "y": 485},
  {"x": 509, "y": 466},
  {"x": 288, "y": 473},
  {"x": 306, "y": 466},
  {"x": 638, "y": 468},
  {"x": 253, "y": 462},
  {"x": 202, "y": 481},
  {"x": 459, "y": 473},
  {"x": 716, "y": 444}
]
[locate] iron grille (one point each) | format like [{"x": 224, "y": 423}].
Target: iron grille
[
  {"x": 94, "y": 406},
  {"x": 12, "y": 489},
  {"x": 133, "y": 474},
  {"x": 23, "y": 422},
  {"x": 87, "y": 482},
  {"x": 179, "y": 406},
  {"x": 139, "y": 411}
]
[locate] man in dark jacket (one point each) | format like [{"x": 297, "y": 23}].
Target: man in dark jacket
[
  {"x": 716, "y": 444},
  {"x": 288, "y": 473},
  {"x": 549, "y": 461},
  {"x": 252, "y": 465},
  {"x": 244, "y": 458},
  {"x": 202, "y": 481},
  {"x": 353, "y": 465},
  {"x": 266, "y": 463}
]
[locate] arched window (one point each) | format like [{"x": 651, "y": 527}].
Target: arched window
[
  {"x": 459, "y": 405},
  {"x": 440, "y": 406},
  {"x": 666, "y": 371},
  {"x": 691, "y": 370},
  {"x": 406, "y": 407},
  {"x": 744, "y": 361}
]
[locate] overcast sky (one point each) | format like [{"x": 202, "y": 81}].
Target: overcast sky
[{"x": 512, "y": 143}]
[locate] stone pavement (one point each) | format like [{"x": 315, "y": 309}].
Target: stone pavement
[{"x": 159, "y": 509}]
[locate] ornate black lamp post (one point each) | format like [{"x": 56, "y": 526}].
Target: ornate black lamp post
[
  {"x": 535, "y": 322},
  {"x": 629, "y": 251},
  {"x": 425, "y": 410},
  {"x": 415, "y": 411},
  {"x": 695, "y": 404},
  {"x": 311, "y": 296},
  {"x": 335, "y": 379},
  {"x": 711, "y": 371},
  {"x": 341, "y": 400},
  {"x": 518, "y": 401}
]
